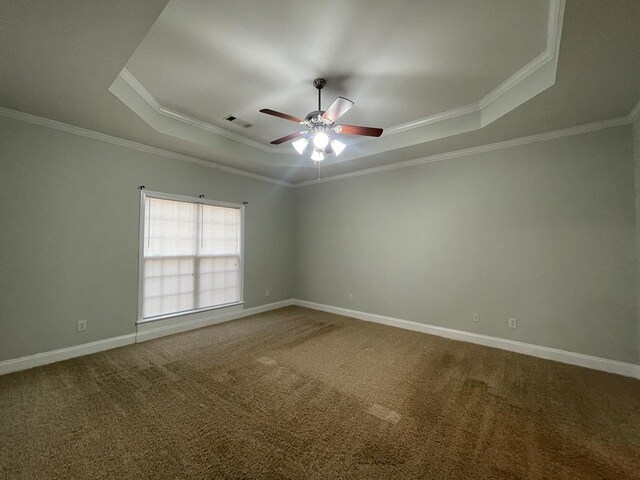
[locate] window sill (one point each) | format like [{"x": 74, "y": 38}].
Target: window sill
[{"x": 187, "y": 312}]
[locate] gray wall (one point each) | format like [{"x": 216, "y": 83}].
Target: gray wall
[
  {"x": 636, "y": 162},
  {"x": 69, "y": 234},
  {"x": 542, "y": 232}
]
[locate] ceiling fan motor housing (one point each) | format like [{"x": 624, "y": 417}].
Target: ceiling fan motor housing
[
  {"x": 315, "y": 121},
  {"x": 314, "y": 116}
]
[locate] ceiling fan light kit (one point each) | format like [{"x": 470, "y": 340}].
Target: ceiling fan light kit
[
  {"x": 320, "y": 129},
  {"x": 300, "y": 145}
]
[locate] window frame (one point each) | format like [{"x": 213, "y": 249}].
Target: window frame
[{"x": 144, "y": 194}]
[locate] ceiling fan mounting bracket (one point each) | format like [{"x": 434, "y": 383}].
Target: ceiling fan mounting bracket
[{"x": 319, "y": 83}]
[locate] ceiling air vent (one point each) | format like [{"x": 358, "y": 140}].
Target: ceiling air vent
[{"x": 237, "y": 121}]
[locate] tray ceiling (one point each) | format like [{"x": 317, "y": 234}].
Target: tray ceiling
[
  {"x": 452, "y": 67},
  {"x": 211, "y": 59},
  {"x": 67, "y": 59}
]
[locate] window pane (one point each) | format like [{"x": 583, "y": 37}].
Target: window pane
[
  {"x": 219, "y": 281},
  {"x": 170, "y": 228},
  {"x": 220, "y": 231},
  {"x": 168, "y": 286}
]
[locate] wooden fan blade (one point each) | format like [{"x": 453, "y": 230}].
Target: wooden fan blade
[
  {"x": 337, "y": 109},
  {"x": 286, "y": 116},
  {"x": 287, "y": 138},
  {"x": 357, "y": 130}
]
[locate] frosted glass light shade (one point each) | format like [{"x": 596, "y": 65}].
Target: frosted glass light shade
[
  {"x": 337, "y": 146},
  {"x": 300, "y": 145},
  {"x": 317, "y": 156},
  {"x": 320, "y": 140}
]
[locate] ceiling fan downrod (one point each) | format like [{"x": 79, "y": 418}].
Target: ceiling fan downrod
[{"x": 319, "y": 83}]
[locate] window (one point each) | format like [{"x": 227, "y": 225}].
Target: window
[{"x": 190, "y": 255}]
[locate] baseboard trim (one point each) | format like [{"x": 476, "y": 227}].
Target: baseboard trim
[
  {"x": 563, "y": 356},
  {"x": 208, "y": 321},
  {"x": 52, "y": 356}
]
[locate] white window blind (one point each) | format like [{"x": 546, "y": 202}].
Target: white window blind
[{"x": 191, "y": 256}]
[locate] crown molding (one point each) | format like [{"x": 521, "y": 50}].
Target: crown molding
[
  {"x": 553, "y": 45},
  {"x": 633, "y": 115},
  {"x": 535, "y": 77},
  {"x": 551, "y": 52},
  {"x": 140, "y": 89},
  {"x": 521, "y": 75},
  {"x": 141, "y": 147},
  {"x": 541, "y": 137},
  {"x": 438, "y": 117}
]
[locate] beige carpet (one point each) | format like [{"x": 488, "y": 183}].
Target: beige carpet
[{"x": 296, "y": 393}]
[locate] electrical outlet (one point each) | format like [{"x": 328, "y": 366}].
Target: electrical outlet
[
  {"x": 513, "y": 322},
  {"x": 351, "y": 297},
  {"x": 476, "y": 317},
  {"x": 82, "y": 325},
  {"x": 266, "y": 293}
]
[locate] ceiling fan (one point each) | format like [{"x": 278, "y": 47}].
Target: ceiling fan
[{"x": 320, "y": 129}]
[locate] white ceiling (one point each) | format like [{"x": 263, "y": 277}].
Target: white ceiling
[
  {"x": 59, "y": 59},
  {"x": 210, "y": 59}
]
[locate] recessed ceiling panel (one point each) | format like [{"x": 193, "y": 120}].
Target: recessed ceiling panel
[{"x": 399, "y": 61}]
